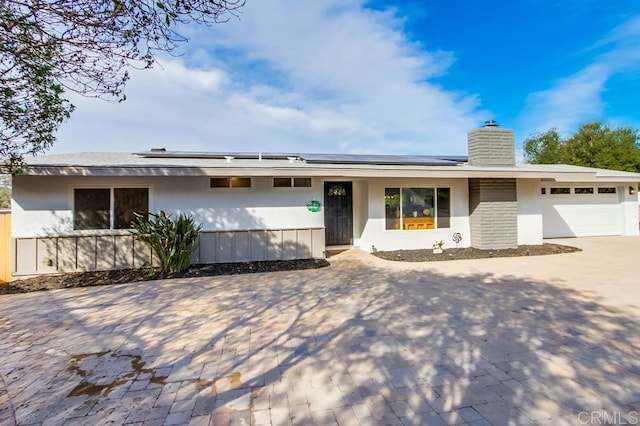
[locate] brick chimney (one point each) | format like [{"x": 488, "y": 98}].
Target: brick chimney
[
  {"x": 493, "y": 202},
  {"x": 491, "y": 146}
]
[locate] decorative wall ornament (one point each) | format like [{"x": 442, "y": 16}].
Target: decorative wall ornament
[
  {"x": 313, "y": 206},
  {"x": 337, "y": 191},
  {"x": 457, "y": 237}
]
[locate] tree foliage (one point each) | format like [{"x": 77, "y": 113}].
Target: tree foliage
[
  {"x": 5, "y": 198},
  {"x": 173, "y": 241},
  {"x": 48, "y": 47},
  {"x": 5, "y": 192},
  {"x": 543, "y": 148},
  {"x": 593, "y": 145}
]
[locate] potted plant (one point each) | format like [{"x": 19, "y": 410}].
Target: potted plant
[{"x": 437, "y": 247}]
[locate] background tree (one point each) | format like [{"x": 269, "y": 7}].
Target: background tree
[
  {"x": 593, "y": 145},
  {"x": 543, "y": 148},
  {"x": 86, "y": 46},
  {"x": 5, "y": 192}
]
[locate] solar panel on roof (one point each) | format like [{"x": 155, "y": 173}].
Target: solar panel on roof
[
  {"x": 377, "y": 159},
  {"x": 203, "y": 154},
  {"x": 317, "y": 158}
]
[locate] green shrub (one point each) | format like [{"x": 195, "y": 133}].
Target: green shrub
[{"x": 173, "y": 241}]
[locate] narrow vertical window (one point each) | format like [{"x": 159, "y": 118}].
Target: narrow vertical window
[
  {"x": 444, "y": 208},
  {"x": 392, "y": 208}
]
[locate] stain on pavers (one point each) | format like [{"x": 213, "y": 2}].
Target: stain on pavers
[{"x": 84, "y": 364}]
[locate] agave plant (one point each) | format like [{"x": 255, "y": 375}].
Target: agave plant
[{"x": 173, "y": 241}]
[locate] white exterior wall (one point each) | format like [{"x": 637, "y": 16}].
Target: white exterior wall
[
  {"x": 629, "y": 211},
  {"x": 259, "y": 207},
  {"x": 360, "y": 208},
  {"x": 44, "y": 205},
  {"x": 529, "y": 211},
  {"x": 40, "y": 206},
  {"x": 375, "y": 235}
]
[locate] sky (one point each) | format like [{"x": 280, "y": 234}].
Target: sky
[{"x": 384, "y": 77}]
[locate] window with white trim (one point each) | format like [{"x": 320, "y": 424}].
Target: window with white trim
[{"x": 108, "y": 208}]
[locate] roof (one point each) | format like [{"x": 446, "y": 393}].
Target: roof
[
  {"x": 183, "y": 163},
  {"x": 312, "y": 158},
  {"x": 188, "y": 158}
]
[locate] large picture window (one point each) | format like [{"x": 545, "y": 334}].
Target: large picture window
[
  {"x": 108, "y": 208},
  {"x": 417, "y": 208}
]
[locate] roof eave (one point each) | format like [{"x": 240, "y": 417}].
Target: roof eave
[{"x": 320, "y": 171}]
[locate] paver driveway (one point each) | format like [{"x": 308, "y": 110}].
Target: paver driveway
[{"x": 544, "y": 340}]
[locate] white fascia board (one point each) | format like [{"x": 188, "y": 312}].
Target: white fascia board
[
  {"x": 316, "y": 171},
  {"x": 335, "y": 170},
  {"x": 599, "y": 179}
]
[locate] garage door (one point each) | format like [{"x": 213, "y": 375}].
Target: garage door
[{"x": 580, "y": 211}]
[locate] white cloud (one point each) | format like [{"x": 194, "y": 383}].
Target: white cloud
[
  {"x": 625, "y": 34},
  {"x": 570, "y": 101},
  {"x": 329, "y": 76},
  {"x": 579, "y": 97}
]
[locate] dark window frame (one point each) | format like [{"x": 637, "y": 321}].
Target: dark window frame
[
  {"x": 607, "y": 190},
  {"x": 282, "y": 182},
  {"x": 113, "y": 215},
  {"x": 395, "y": 209},
  {"x": 291, "y": 182},
  {"x": 231, "y": 182},
  {"x": 92, "y": 209},
  {"x": 583, "y": 190},
  {"x": 127, "y": 202},
  {"x": 302, "y": 179}
]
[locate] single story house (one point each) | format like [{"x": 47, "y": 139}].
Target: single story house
[{"x": 71, "y": 212}]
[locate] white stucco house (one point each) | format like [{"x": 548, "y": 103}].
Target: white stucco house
[{"x": 71, "y": 212}]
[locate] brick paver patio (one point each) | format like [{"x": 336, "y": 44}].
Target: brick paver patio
[{"x": 537, "y": 340}]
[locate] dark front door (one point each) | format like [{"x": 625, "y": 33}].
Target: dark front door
[{"x": 338, "y": 213}]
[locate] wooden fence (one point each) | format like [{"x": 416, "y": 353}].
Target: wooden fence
[
  {"x": 46, "y": 255},
  {"x": 5, "y": 246}
]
